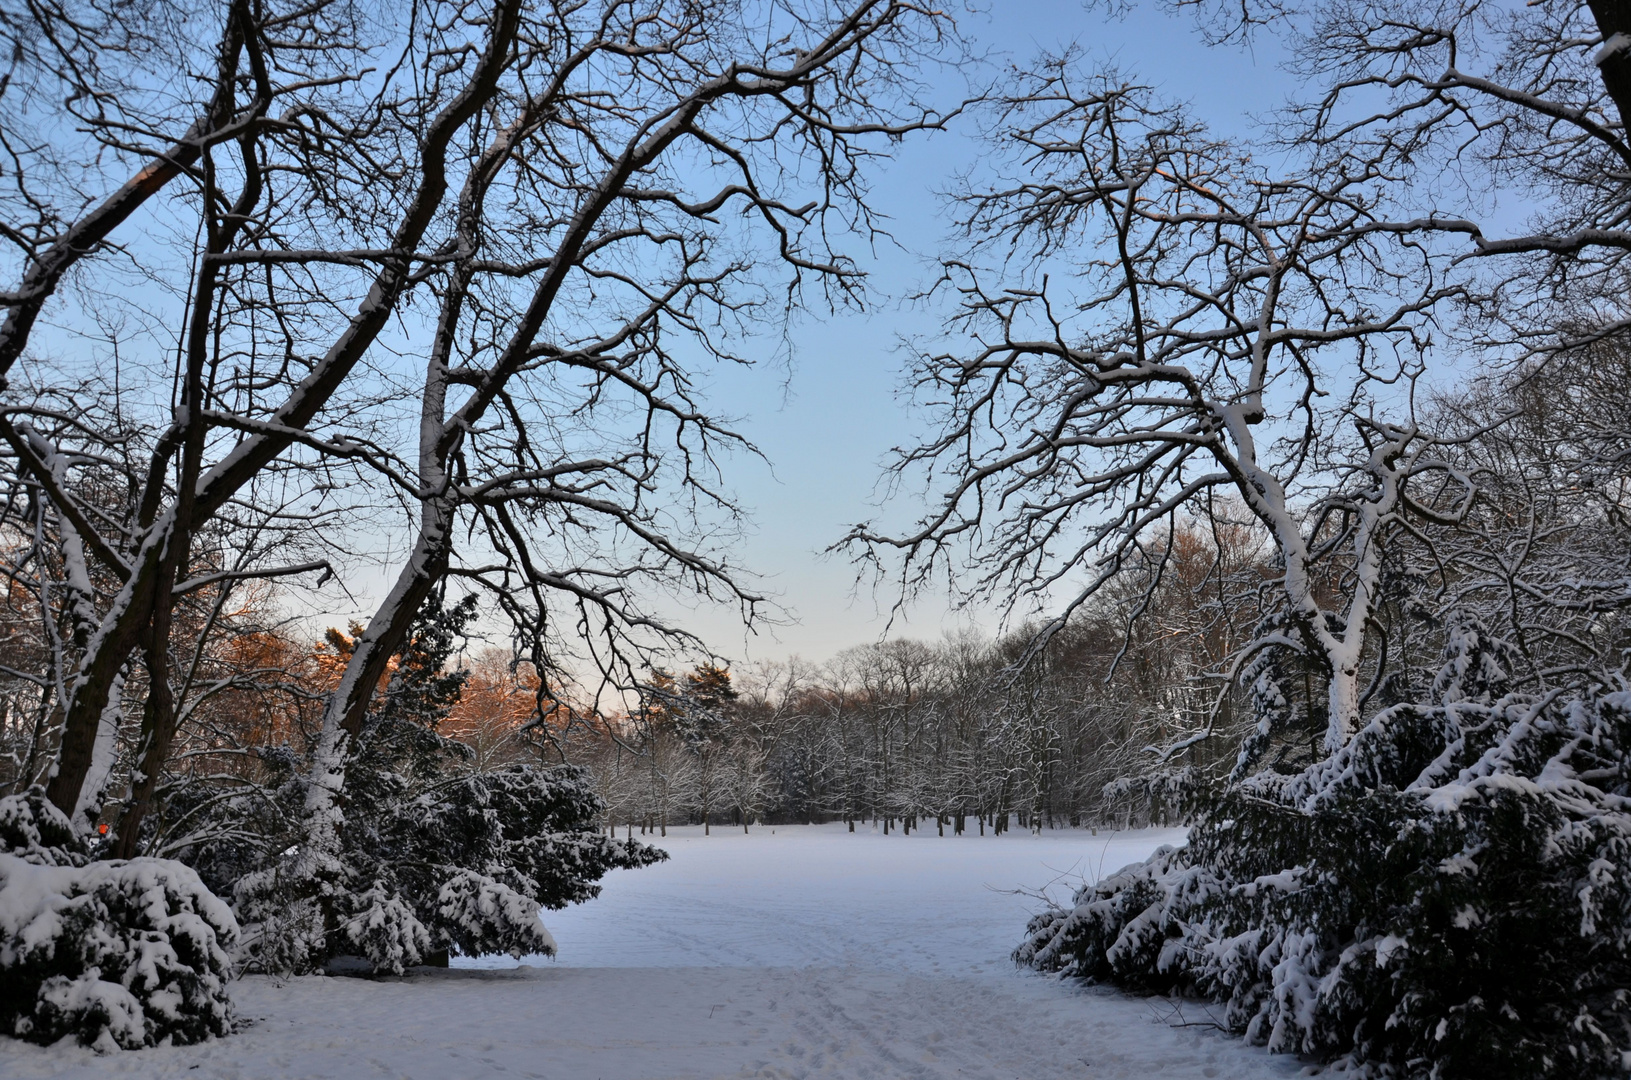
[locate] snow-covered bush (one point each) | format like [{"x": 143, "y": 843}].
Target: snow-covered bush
[
  {"x": 431, "y": 854},
  {"x": 465, "y": 866},
  {"x": 113, "y": 954},
  {"x": 31, "y": 828},
  {"x": 1448, "y": 895}
]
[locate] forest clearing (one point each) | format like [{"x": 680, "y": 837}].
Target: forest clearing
[
  {"x": 453, "y": 451},
  {"x": 810, "y": 953}
]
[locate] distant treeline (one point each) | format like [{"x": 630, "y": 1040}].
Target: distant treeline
[{"x": 954, "y": 736}]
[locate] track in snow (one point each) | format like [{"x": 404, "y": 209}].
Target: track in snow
[{"x": 803, "y": 953}]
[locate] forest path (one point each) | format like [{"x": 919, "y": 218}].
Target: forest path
[{"x": 805, "y": 952}]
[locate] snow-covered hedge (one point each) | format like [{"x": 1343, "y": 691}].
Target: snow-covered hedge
[
  {"x": 1447, "y": 896},
  {"x": 113, "y": 954}
]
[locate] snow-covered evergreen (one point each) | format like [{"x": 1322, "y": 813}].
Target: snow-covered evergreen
[
  {"x": 115, "y": 954},
  {"x": 433, "y": 856},
  {"x": 1449, "y": 895}
]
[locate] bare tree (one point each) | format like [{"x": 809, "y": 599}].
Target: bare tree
[
  {"x": 437, "y": 259},
  {"x": 1184, "y": 331}
]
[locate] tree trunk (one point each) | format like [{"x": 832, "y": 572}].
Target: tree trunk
[{"x": 1614, "y": 21}]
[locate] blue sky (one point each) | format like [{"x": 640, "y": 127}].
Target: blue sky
[
  {"x": 826, "y": 417},
  {"x": 827, "y": 421}
]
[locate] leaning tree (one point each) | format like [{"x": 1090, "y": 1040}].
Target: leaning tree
[{"x": 427, "y": 282}]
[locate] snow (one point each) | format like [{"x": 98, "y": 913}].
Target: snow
[
  {"x": 803, "y": 953},
  {"x": 1614, "y": 45}
]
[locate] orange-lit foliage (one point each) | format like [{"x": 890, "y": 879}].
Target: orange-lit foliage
[{"x": 498, "y": 702}]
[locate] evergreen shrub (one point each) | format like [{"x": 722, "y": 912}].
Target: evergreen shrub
[
  {"x": 431, "y": 856},
  {"x": 1447, "y": 896},
  {"x": 113, "y": 954}
]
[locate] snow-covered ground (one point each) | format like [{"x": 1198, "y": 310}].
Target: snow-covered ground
[{"x": 807, "y": 952}]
